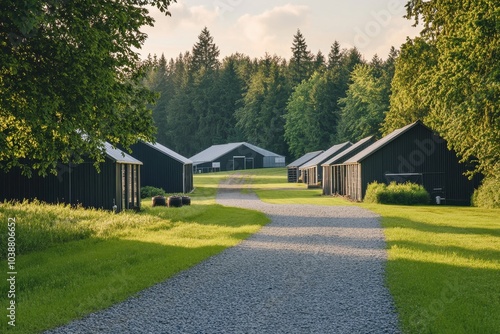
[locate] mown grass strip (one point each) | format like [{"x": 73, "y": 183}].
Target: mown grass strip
[{"x": 74, "y": 262}]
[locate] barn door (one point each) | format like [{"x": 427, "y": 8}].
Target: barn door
[{"x": 239, "y": 162}]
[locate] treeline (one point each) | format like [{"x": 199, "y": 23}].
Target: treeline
[{"x": 306, "y": 103}]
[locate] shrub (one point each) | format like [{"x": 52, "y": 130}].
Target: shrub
[
  {"x": 404, "y": 194},
  {"x": 488, "y": 194},
  {"x": 148, "y": 192}
]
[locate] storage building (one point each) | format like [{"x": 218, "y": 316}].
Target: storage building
[
  {"x": 235, "y": 156},
  {"x": 293, "y": 168},
  {"x": 116, "y": 187},
  {"x": 312, "y": 172},
  {"x": 163, "y": 168},
  {"x": 331, "y": 181},
  {"x": 413, "y": 153}
]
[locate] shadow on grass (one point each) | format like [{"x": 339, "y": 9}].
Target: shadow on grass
[
  {"x": 72, "y": 280},
  {"x": 423, "y": 227}
]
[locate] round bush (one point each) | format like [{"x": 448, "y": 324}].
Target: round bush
[{"x": 148, "y": 191}]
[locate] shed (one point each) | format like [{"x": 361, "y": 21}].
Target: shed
[
  {"x": 116, "y": 186},
  {"x": 412, "y": 153},
  {"x": 293, "y": 168},
  {"x": 163, "y": 168},
  {"x": 332, "y": 181},
  {"x": 235, "y": 156},
  {"x": 312, "y": 172}
]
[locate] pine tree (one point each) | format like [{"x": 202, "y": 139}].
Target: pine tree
[
  {"x": 205, "y": 53},
  {"x": 335, "y": 56},
  {"x": 301, "y": 61}
]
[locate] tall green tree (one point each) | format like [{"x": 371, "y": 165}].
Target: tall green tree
[
  {"x": 301, "y": 63},
  {"x": 264, "y": 105},
  {"x": 364, "y": 106},
  {"x": 70, "y": 80}
]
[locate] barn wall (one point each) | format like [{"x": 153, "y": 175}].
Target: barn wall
[
  {"x": 161, "y": 171},
  {"x": 78, "y": 185}
]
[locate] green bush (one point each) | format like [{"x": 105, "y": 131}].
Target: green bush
[
  {"x": 148, "y": 192},
  {"x": 404, "y": 194},
  {"x": 488, "y": 194}
]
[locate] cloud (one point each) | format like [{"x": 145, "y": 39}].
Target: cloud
[{"x": 269, "y": 30}]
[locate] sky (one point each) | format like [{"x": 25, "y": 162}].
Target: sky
[{"x": 254, "y": 27}]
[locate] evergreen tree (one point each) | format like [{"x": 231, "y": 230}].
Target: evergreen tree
[
  {"x": 335, "y": 56},
  {"x": 301, "y": 62},
  {"x": 205, "y": 54}
]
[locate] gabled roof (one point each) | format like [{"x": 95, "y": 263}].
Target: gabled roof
[
  {"x": 216, "y": 151},
  {"x": 305, "y": 158},
  {"x": 351, "y": 151},
  {"x": 326, "y": 155},
  {"x": 119, "y": 156},
  {"x": 382, "y": 142},
  {"x": 165, "y": 150}
]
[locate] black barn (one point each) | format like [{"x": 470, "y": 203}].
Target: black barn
[
  {"x": 235, "y": 156},
  {"x": 163, "y": 168},
  {"x": 413, "y": 153},
  {"x": 115, "y": 187},
  {"x": 293, "y": 169}
]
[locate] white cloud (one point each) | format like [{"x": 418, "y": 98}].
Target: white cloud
[{"x": 272, "y": 30}]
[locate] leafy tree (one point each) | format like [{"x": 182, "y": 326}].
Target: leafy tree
[
  {"x": 364, "y": 106},
  {"x": 463, "y": 87},
  {"x": 69, "y": 80},
  {"x": 412, "y": 70}
]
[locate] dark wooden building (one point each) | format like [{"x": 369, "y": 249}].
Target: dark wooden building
[
  {"x": 163, "y": 168},
  {"x": 330, "y": 180},
  {"x": 116, "y": 187},
  {"x": 235, "y": 156},
  {"x": 312, "y": 172},
  {"x": 293, "y": 169},
  {"x": 413, "y": 153}
]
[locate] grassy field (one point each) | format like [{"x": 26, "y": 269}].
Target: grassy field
[
  {"x": 73, "y": 262},
  {"x": 443, "y": 269}
]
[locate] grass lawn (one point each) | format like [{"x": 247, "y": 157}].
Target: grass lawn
[
  {"x": 444, "y": 262},
  {"x": 73, "y": 262}
]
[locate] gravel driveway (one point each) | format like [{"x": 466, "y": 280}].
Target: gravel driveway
[{"x": 313, "y": 269}]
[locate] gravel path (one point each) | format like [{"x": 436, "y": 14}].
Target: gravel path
[{"x": 314, "y": 269}]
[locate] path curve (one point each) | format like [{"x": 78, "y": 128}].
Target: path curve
[{"x": 313, "y": 269}]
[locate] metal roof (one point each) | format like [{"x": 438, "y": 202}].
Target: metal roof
[
  {"x": 305, "y": 158},
  {"x": 381, "y": 143},
  {"x": 119, "y": 156},
  {"x": 216, "y": 151},
  {"x": 346, "y": 154},
  {"x": 327, "y": 155},
  {"x": 165, "y": 150}
]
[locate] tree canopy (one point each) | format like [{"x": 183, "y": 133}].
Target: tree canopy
[{"x": 69, "y": 79}]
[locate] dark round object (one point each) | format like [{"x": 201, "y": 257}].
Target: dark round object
[
  {"x": 186, "y": 200},
  {"x": 159, "y": 201},
  {"x": 174, "y": 202}
]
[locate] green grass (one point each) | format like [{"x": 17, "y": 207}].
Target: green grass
[{"x": 73, "y": 262}]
